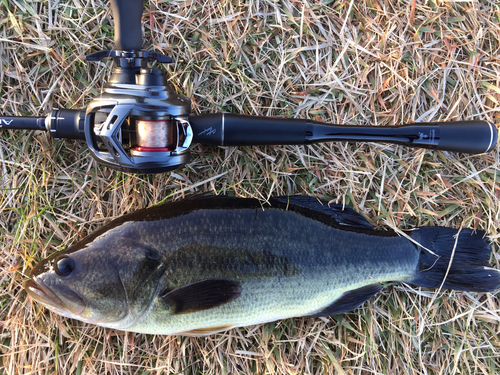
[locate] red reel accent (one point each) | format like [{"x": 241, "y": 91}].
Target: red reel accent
[{"x": 152, "y": 149}]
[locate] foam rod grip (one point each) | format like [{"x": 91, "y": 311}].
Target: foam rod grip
[
  {"x": 473, "y": 137},
  {"x": 127, "y": 15}
]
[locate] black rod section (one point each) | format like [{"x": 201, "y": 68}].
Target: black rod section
[
  {"x": 67, "y": 123},
  {"x": 23, "y": 122},
  {"x": 61, "y": 123},
  {"x": 473, "y": 137}
]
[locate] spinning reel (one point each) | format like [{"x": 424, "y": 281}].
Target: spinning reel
[{"x": 140, "y": 125}]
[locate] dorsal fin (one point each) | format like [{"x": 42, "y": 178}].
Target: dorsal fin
[{"x": 343, "y": 215}]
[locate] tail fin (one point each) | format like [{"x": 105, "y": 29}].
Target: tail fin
[{"x": 469, "y": 269}]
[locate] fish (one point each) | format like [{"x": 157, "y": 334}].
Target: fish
[{"x": 210, "y": 263}]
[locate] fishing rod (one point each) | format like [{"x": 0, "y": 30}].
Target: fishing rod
[{"x": 140, "y": 124}]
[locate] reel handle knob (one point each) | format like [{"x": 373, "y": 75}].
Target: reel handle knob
[{"x": 127, "y": 15}]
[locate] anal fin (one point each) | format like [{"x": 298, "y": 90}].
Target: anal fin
[{"x": 349, "y": 301}]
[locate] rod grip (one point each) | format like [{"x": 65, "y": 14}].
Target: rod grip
[
  {"x": 472, "y": 137},
  {"x": 127, "y": 15},
  {"x": 225, "y": 129}
]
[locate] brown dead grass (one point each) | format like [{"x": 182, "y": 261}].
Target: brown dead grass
[{"x": 380, "y": 62}]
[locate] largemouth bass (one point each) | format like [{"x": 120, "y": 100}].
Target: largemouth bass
[{"x": 207, "y": 264}]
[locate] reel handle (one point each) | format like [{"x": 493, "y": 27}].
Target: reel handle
[{"x": 127, "y": 15}]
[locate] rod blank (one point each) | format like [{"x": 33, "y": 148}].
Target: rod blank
[{"x": 23, "y": 122}]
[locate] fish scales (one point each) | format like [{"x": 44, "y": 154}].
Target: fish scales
[
  {"x": 296, "y": 270},
  {"x": 217, "y": 263}
]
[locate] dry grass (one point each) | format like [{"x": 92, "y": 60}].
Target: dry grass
[{"x": 377, "y": 61}]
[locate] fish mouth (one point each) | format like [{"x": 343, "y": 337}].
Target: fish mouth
[{"x": 44, "y": 295}]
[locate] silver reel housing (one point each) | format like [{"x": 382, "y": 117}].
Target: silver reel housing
[{"x": 139, "y": 124}]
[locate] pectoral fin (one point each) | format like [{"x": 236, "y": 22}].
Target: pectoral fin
[{"x": 202, "y": 295}]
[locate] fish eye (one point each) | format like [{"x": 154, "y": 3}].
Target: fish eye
[{"x": 64, "y": 265}]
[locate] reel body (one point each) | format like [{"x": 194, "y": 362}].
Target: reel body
[{"x": 139, "y": 124}]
